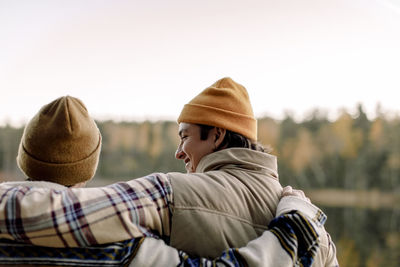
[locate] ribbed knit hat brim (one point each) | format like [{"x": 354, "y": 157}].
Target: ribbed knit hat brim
[{"x": 62, "y": 173}]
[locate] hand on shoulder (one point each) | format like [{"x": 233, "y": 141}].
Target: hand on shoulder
[{"x": 289, "y": 191}]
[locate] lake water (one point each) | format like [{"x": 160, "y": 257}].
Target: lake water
[{"x": 365, "y": 236}]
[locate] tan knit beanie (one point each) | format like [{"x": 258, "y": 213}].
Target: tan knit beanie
[
  {"x": 60, "y": 144},
  {"x": 224, "y": 104}
]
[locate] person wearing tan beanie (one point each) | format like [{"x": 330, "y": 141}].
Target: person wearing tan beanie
[
  {"x": 227, "y": 198},
  {"x": 60, "y": 144}
]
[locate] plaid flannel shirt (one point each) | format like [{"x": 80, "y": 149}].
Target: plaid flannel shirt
[
  {"x": 87, "y": 216},
  {"x": 292, "y": 240}
]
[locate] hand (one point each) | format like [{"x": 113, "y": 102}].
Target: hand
[{"x": 289, "y": 191}]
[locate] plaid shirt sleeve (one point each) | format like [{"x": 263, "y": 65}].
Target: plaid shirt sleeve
[{"x": 86, "y": 216}]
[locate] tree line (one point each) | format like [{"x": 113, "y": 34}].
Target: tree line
[{"x": 351, "y": 152}]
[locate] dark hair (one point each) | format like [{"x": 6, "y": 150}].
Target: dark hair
[{"x": 233, "y": 139}]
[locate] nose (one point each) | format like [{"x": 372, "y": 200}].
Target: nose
[{"x": 179, "y": 154}]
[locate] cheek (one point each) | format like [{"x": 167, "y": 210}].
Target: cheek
[
  {"x": 197, "y": 150},
  {"x": 191, "y": 149},
  {"x": 206, "y": 149},
  {"x": 187, "y": 148}
]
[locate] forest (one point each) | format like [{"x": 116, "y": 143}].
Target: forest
[
  {"x": 351, "y": 152},
  {"x": 350, "y": 158}
]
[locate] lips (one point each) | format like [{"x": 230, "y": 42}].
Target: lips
[{"x": 187, "y": 165}]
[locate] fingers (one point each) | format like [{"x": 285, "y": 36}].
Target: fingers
[{"x": 289, "y": 191}]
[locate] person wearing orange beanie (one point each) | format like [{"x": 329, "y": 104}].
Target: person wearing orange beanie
[
  {"x": 232, "y": 184},
  {"x": 227, "y": 198},
  {"x": 223, "y": 109}
]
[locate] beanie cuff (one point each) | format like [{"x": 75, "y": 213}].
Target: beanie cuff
[
  {"x": 207, "y": 115},
  {"x": 63, "y": 173}
]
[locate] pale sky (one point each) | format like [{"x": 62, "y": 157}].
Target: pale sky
[{"x": 146, "y": 59}]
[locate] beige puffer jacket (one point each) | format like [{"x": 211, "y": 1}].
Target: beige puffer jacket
[{"x": 228, "y": 201}]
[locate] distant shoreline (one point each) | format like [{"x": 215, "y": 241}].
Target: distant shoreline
[{"x": 372, "y": 199}]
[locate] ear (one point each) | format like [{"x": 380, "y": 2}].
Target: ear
[{"x": 219, "y": 136}]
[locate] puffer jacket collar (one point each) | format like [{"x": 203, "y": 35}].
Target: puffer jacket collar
[{"x": 240, "y": 158}]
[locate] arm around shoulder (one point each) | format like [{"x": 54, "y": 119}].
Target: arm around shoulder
[{"x": 78, "y": 216}]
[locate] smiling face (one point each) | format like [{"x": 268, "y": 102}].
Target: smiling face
[{"x": 192, "y": 149}]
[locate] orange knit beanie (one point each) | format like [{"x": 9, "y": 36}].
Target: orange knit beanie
[
  {"x": 224, "y": 104},
  {"x": 60, "y": 144}
]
